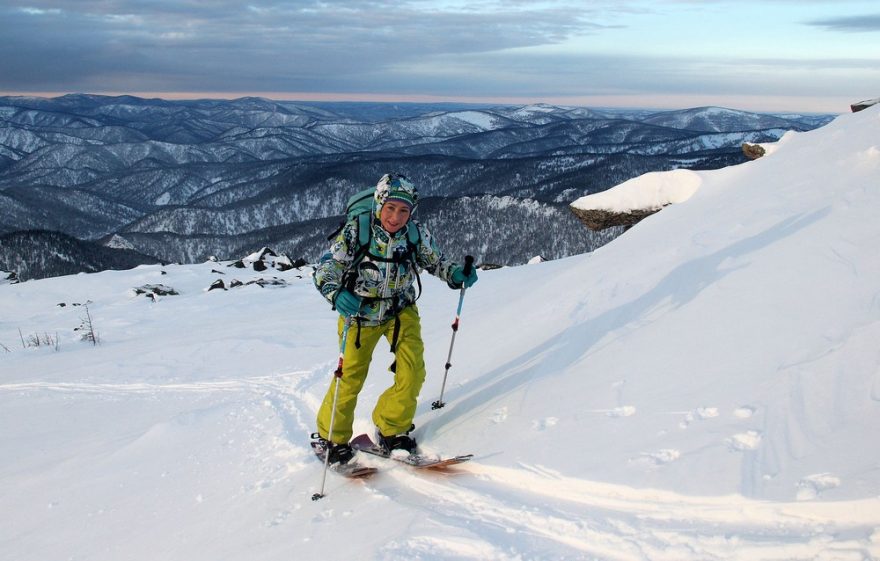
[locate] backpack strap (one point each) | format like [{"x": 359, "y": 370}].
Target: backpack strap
[
  {"x": 349, "y": 276},
  {"x": 413, "y": 239},
  {"x": 413, "y": 235},
  {"x": 364, "y": 232}
]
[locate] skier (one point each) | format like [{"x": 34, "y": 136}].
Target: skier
[{"x": 372, "y": 288}]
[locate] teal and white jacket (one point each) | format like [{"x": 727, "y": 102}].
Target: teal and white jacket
[{"x": 386, "y": 274}]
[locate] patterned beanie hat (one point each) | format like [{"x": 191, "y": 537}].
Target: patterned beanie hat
[{"x": 395, "y": 187}]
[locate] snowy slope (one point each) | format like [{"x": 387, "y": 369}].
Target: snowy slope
[{"x": 707, "y": 386}]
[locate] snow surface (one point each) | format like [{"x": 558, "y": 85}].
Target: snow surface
[
  {"x": 650, "y": 191},
  {"x": 482, "y": 119},
  {"x": 705, "y": 387}
]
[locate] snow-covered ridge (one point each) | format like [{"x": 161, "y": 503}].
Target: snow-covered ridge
[{"x": 483, "y": 119}]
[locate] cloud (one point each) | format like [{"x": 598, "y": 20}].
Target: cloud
[
  {"x": 538, "y": 75},
  {"x": 850, "y": 24},
  {"x": 264, "y": 44},
  {"x": 448, "y": 48}
]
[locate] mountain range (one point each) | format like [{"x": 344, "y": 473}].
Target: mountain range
[{"x": 185, "y": 180}]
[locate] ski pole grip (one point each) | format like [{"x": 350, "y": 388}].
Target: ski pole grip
[{"x": 468, "y": 265}]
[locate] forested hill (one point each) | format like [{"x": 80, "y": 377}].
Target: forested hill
[{"x": 34, "y": 254}]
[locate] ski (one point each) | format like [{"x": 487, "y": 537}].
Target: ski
[
  {"x": 364, "y": 443},
  {"x": 350, "y": 469}
]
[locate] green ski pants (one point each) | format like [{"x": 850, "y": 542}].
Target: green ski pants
[{"x": 396, "y": 407}]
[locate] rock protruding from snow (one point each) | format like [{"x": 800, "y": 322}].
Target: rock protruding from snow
[
  {"x": 154, "y": 291},
  {"x": 8, "y": 277},
  {"x": 261, "y": 282},
  {"x": 856, "y": 107},
  {"x": 598, "y": 219},
  {"x": 753, "y": 151},
  {"x": 267, "y": 259},
  {"x": 636, "y": 199}
]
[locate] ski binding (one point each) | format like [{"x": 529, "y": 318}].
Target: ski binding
[
  {"x": 350, "y": 469},
  {"x": 364, "y": 443}
]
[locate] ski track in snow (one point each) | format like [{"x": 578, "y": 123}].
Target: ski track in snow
[
  {"x": 532, "y": 509},
  {"x": 281, "y": 392},
  {"x": 250, "y": 384}
]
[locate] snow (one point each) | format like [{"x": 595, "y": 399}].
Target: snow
[
  {"x": 118, "y": 242},
  {"x": 706, "y": 386},
  {"x": 535, "y": 108},
  {"x": 869, "y": 102},
  {"x": 650, "y": 191},
  {"x": 482, "y": 119}
]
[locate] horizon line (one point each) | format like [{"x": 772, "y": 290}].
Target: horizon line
[{"x": 752, "y": 103}]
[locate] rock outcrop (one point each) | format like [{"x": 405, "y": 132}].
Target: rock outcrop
[
  {"x": 856, "y": 107},
  {"x": 598, "y": 219},
  {"x": 753, "y": 151}
]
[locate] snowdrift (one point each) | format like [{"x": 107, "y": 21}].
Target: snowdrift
[{"x": 730, "y": 334}]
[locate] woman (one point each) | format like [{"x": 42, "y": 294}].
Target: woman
[{"x": 372, "y": 288}]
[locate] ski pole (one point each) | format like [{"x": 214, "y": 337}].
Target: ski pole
[
  {"x": 338, "y": 376},
  {"x": 468, "y": 264}
]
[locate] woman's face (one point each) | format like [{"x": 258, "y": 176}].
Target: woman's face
[{"x": 394, "y": 216}]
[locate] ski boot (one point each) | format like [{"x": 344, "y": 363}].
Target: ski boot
[
  {"x": 398, "y": 442},
  {"x": 337, "y": 453}
]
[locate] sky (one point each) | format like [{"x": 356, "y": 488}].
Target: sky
[{"x": 770, "y": 55}]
